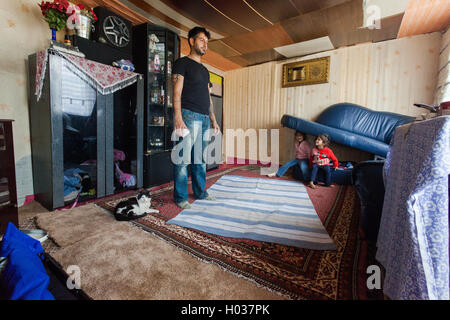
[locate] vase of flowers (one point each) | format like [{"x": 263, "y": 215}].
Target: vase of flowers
[
  {"x": 88, "y": 12},
  {"x": 55, "y": 13},
  {"x": 82, "y": 20}
]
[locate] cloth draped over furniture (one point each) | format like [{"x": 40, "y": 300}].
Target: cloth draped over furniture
[
  {"x": 24, "y": 276},
  {"x": 104, "y": 78},
  {"x": 413, "y": 239},
  {"x": 352, "y": 125}
]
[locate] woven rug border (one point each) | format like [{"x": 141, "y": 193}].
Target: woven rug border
[
  {"x": 309, "y": 293},
  {"x": 221, "y": 264},
  {"x": 352, "y": 257}
]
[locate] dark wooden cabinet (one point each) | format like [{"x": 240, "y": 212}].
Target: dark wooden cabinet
[
  {"x": 8, "y": 193},
  {"x": 78, "y": 134}
]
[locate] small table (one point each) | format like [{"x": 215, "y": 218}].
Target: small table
[{"x": 413, "y": 239}]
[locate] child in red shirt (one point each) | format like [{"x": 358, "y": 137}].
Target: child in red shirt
[{"x": 322, "y": 158}]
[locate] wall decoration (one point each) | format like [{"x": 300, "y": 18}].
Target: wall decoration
[
  {"x": 306, "y": 72},
  {"x": 216, "y": 84}
]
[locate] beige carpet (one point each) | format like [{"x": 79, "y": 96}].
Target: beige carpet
[
  {"x": 120, "y": 261},
  {"x": 67, "y": 227}
]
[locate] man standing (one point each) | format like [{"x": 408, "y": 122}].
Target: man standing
[{"x": 193, "y": 111}]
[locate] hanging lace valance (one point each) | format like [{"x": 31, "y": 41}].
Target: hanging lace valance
[{"x": 104, "y": 78}]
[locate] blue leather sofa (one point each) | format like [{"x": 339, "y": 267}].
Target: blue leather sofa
[{"x": 352, "y": 125}]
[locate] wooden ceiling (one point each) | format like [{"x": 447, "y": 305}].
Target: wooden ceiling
[{"x": 246, "y": 32}]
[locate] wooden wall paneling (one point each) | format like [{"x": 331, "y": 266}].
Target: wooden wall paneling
[
  {"x": 305, "y": 6},
  {"x": 202, "y": 13},
  {"x": 424, "y": 16},
  {"x": 258, "y": 40},
  {"x": 314, "y": 25},
  {"x": 156, "y": 13},
  {"x": 275, "y": 11},
  {"x": 222, "y": 48},
  {"x": 389, "y": 29},
  {"x": 212, "y": 58},
  {"x": 117, "y": 7},
  {"x": 184, "y": 46},
  {"x": 262, "y": 56},
  {"x": 241, "y": 13},
  {"x": 88, "y": 3},
  {"x": 239, "y": 60},
  {"x": 442, "y": 93},
  {"x": 344, "y": 17},
  {"x": 275, "y": 107}
]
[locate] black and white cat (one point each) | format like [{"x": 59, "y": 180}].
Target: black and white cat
[{"x": 134, "y": 207}]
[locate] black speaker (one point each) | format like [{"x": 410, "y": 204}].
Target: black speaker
[
  {"x": 113, "y": 30},
  {"x": 99, "y": 52}
]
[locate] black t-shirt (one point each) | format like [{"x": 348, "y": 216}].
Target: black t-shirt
[{"x": 195, "y": 94}]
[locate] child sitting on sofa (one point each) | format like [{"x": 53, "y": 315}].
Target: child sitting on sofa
[
  {"x": 302, "y": 152},
  {"x": 322, "y": 158}
]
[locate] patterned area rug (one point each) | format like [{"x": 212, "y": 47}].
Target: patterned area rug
[{"x": 294, "y": 272}]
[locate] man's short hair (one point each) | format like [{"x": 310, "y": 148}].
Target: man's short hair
[{"x": 195, "y": 31}]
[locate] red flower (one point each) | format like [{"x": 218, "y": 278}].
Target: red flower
[
  {"x": 58, "y": 5},
  {"x": 93, "y": 15}
]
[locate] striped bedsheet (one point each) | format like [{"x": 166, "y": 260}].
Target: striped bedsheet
[{"x": 261, "y": 209}]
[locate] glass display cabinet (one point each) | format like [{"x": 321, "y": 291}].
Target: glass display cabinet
[{"x": 154, "y": 51}]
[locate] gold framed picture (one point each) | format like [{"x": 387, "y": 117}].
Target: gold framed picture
[{"x": 306, "y": 72}]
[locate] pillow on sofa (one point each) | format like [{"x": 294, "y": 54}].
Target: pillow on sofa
[{"x": 24, "y": 276}]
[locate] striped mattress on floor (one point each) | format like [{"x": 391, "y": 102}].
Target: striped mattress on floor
[{"x": 260, "y": 209}]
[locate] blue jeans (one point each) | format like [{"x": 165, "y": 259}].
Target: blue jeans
[
  {"x": 193, "y": 144},
  {"x": 304, "y": 168},
  {"x": 327, "y": 173}
]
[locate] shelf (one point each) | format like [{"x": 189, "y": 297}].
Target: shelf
[
  {"x": 156, "y": 72},
  {"x": 154, "y": 151},
  {"x": 156, "y": 104},
  {"x": 156, "y": 125}
]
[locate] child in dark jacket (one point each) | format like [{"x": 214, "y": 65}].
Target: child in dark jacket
[{"x": 322, "y": 158}]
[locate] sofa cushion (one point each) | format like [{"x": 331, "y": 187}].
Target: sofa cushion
[
  {"x": 24, "y": 276},
  {"x": 363, "y": 121}
]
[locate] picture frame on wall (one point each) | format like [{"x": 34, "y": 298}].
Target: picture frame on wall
[
  {"x": 216, "y": 84},
  {"x": 306, "y": 72}
]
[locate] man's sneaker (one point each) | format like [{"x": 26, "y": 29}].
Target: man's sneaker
[
  {"x": 210, "y": 198},
  {"x": 184, "y": 205},
  {"x": 273, "y": 174}
]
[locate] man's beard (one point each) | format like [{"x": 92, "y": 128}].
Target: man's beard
[{"x": 199, "y": 52}]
